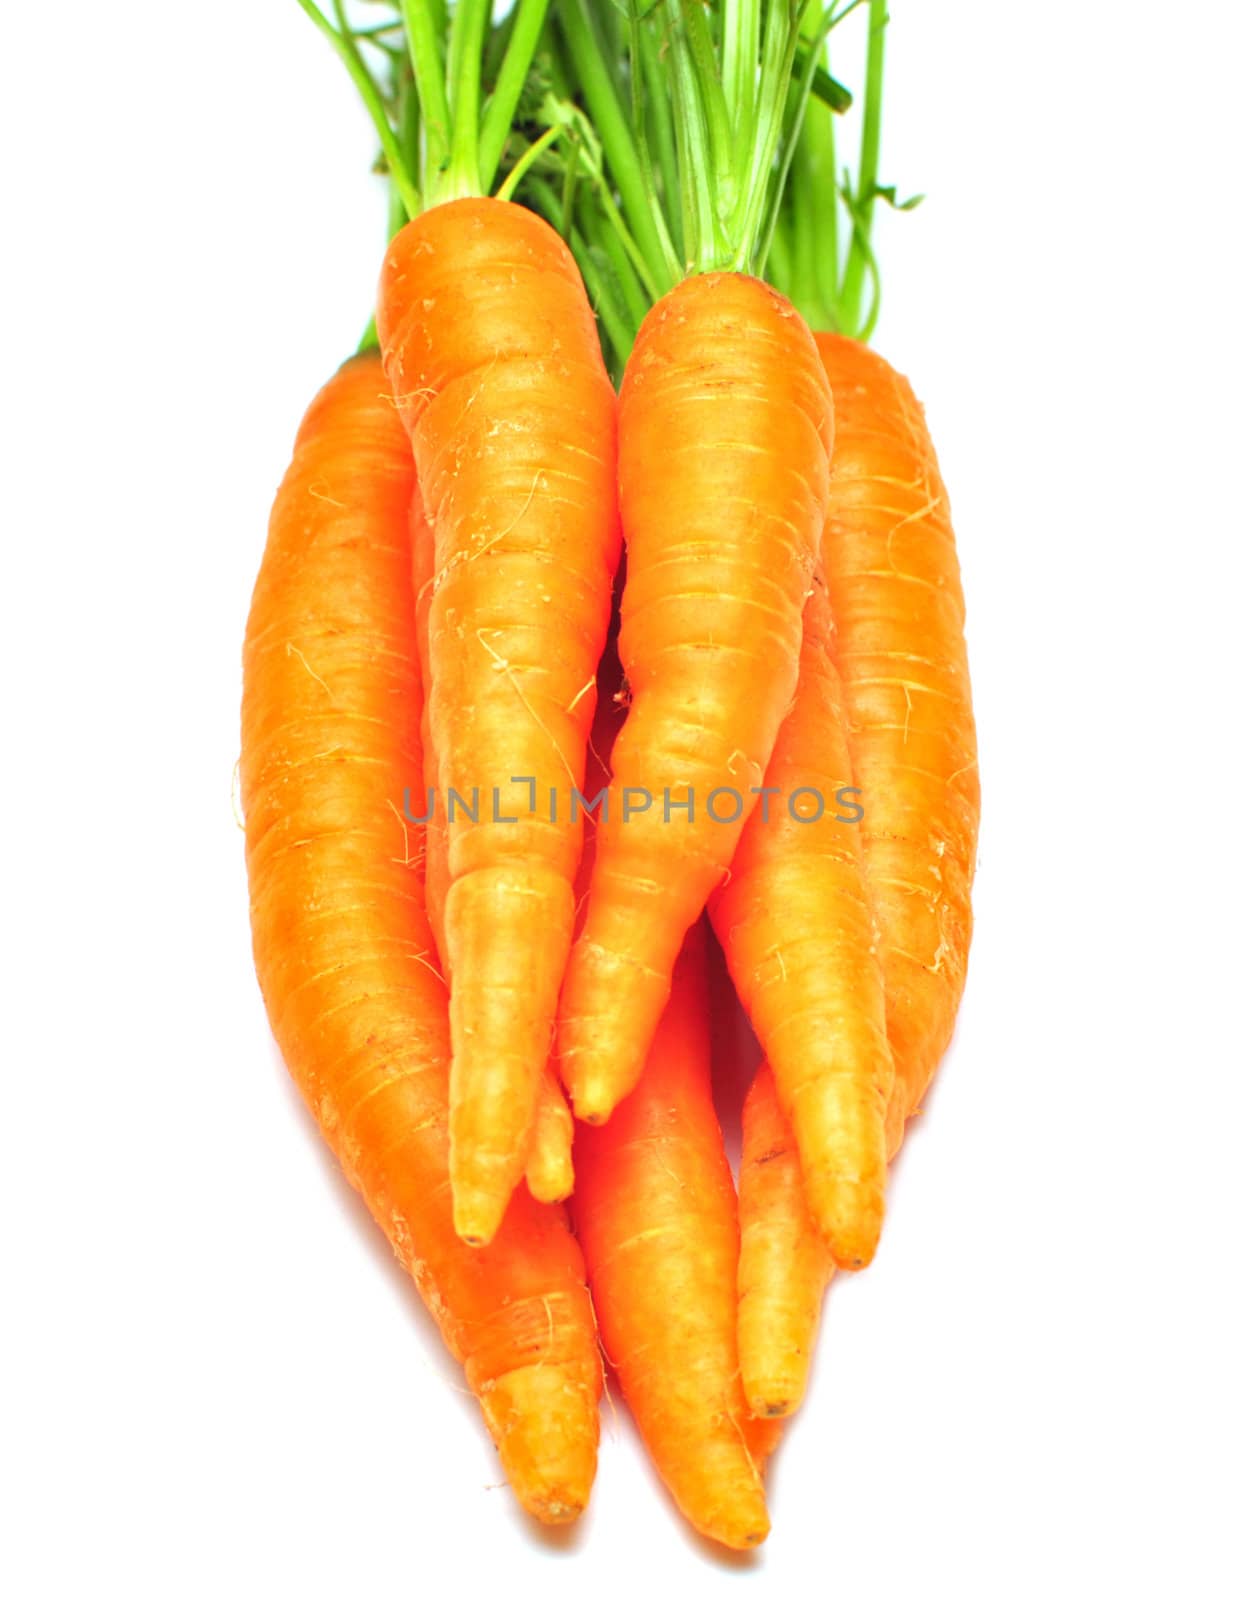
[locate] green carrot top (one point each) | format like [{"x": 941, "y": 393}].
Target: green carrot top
[
  {"x": 420, "y": 72},
  {"x": 662, "y": 138}
]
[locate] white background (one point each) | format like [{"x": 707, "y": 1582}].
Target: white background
[{"x": 215, "y": 1379}]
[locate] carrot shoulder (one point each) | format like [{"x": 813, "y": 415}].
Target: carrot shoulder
[
  {"x": 655, "y": 1211},
  {"x": 491, "y": 350},
  {"x": 330, "y": 740},
  {"x": 724, "y": 439},
  {"x": 891, "y": 566},
  {"x": 794, "y": 920}
]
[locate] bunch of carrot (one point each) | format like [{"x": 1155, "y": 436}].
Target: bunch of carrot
[{"x": 549, "y": 684}]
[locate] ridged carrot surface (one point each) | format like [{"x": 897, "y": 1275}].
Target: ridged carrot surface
[
  {"x": 725, "y": 426},
  {"x": 655, "y": 1210},
  {"x": 794, "y": 920},
  {"x": 784, "y": 1265},
  {"x": 549, "y": 1163},
  {"x": 491, "y": 350},
  {"x": 429, "y": 804},
  {"x": 330, "y": 739},
  {"x": 891, "y": 567}
]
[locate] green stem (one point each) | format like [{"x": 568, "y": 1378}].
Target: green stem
[
  {"x": 691, "y": 17},
  {"x": 606, "y": 28},
  {"x": 730, "y": 117},
  {"x": 740, "y": 50},
  {"x": 736, "y": 112},
  {"x": 568, "y": 195},
  {"x": 615, "y": 222},
  {"x": 814, "y": 184},
  {"x": 862, "y": 242},
  {"x": 654, "y": 129},
  {"x": 701, "y": 222},
  {"x": 779, "y": 264},
  {"x": 755, "y": 217},
  {"x": 463, "y": 91},
  {"x": 603, "y": 104},
  {"x": 500, "y": 109},
  {"x": 379, "y": 30},
  {"x": 859, "y": 262},
  {"x": 498, "y": 37},
  {"x": 609, "y": 233},
  {"x": 408, "y": 102},
  {"x": 792, "y": 241},
  {"x": 552, "y": 47},
  {"x": 425, "y": 42},
  {"x": 369, "y": 91},
  {"x": 790, "y": 144},
  {"x": 507, "y": 188},
  {"x": 828, "y": 90}
]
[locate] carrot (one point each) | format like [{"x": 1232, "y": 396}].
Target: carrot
[
  {"x": 784, "y": 1265},
  {"x": 330, "y": 739},
  {"x": 654, "y": 1207},
  {"x": 724, "y": 433},
  {"x": 491, "y": 350},
  {"x": 725, "y": 427},
  {"x": 549, "y": 1164},
  {"x": 436, "y": 865},
  {"x": 891, "y": 566},
  {"x": 795, "y": 922}
]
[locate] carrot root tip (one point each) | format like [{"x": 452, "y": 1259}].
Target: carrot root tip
[
  {"x": 477, "y": 1211},
  {"x": 592, "y": 1104}
]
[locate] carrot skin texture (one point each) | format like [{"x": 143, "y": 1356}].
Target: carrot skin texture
[
  {"x": 491, "y": 350},
  {"x": 549, "y": 1163},
  {"x": 725, "y": 423},
  {"x": 436, "y": 865},
  {"x": 655, "y": 1210},
  {"x": 330, "y": 738},
  {"x": 784, "y": 1265},
  {"x": 890, "y": 562},
  {"x": 794, "y": 919}
]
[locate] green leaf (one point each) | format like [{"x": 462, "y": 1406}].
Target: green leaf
[
  {"x": 823, "y": 87},
  {"x": 887, "y": 192}
]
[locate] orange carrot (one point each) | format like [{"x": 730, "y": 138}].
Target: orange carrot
[
  {"x": 724, "y": 435},
  {"x": 794, "y": 920},
  {"x": 654, "y": 1207},
  {"x": 784, "y": 1265},
  {"x": 491, "y": 350},
  {"x": 891, "y": 567},
  {"x": 436, "y": 865},
  {"x": 330, "y": 740},
  {"x": 549, "y": 1164}
]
